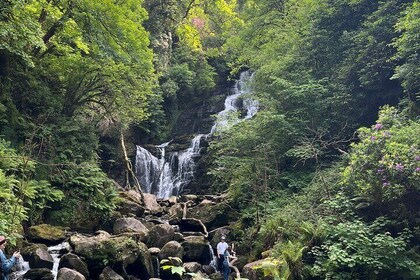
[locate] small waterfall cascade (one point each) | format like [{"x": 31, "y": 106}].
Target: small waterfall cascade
[
  {"x": 156, "y": 266},
  {"x": 213, "y": 258},
  {"x": 230, "y": 115},
  {"x": 56, "y": 252},
  {"x": 21, "y": 268},
  {"x": 166, "y": 175}
]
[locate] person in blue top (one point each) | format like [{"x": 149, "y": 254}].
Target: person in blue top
[
  {"x": 6, "y": 264},
  {"x": 229, "y": 259}
]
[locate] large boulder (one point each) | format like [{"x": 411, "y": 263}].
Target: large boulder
[
  {"x": 46, "y": 233},
  {"x": 130, "y": 204},
  {"x": 171, "y": 249},
  {"x": 73, "y": 261},
  {"x": 39, "y": 274},
  {"x": 196, "y": 248},
  {"x": 213, "y": 215},
  {"x": 130, "y": 225},
  {"x": 120, "y": 251},
  {"x": 37, "y": 255},
  {"x": 151, "y": 205},
  {"x": 175, "y": 213},
  {"x": 192, "y": 267},
  {"x": 69, "y": 274},
  {"x": 254, "y": 271},
  {"x": 109, "y": 274},
  {"x": 192, "y": 226},
  {"x": 160, "y": 234}
]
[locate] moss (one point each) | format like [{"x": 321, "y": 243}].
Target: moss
[{"x": 46, "y": 232}]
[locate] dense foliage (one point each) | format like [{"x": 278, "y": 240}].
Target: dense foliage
[
  {"x": 324, "y": 208},
  {"x": 326, "y": 174}
]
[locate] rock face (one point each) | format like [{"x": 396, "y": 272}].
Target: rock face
[
  {"x": 47, "y": 234},
  {"x": 37, "y": 255},
  {"x": 69, "y": 274}
]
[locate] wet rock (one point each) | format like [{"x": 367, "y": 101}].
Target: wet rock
[
  {"x": 46, "y": 233},
  {"x": 37, "y": 255},
  {"x": 109, "y": 274},
  {"x": 69, "y": 274},
  {"x": 73, "y": 261},
  {"x": 171, "y": 249}
]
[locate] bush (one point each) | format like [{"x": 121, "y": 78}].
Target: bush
[{"x": 90, "y": 197}]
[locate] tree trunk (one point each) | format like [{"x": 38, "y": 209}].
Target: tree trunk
[{"x": 129, "y": 173}]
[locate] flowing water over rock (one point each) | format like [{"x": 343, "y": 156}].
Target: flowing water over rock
[
  {"x": 167, "y": 175},
  {"x": 21, "y": 268},
  {"x": 56, "y": 253}
]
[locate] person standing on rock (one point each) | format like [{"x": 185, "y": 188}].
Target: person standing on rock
[
  {"x": 6, "y": 264},
  {"x": 229, "y": 259},
  {"x": 221, "y": 248}
]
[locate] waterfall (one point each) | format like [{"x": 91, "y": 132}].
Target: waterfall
[
  {"x": 21, "y": 268},
  {"x": 213, "y": 258},
  {"x": 230, "y": 115},
  {"x": 56, "y": 252},
  {"x": 166, "y": 175}
]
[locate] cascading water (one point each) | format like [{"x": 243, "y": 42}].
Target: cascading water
[
  {"x": 230, "y": 115},
  {"x": 213, "y": 258},
  {"x": 165, "y": 177},
  {"x": 168, "y": 175},
  {"x": 21, "y": 268},
  {"x": 56, "y": 252}
]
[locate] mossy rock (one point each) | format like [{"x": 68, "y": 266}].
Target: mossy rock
[
  {"x": 213, "y": 215},
  {"x": 46, "y": 233},
  {"x": 102, "y": 250}
]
